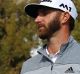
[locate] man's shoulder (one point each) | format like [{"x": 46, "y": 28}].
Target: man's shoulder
[
  {"x": 31, "y": 63},
  {"x": 74, "y": 49},
  {"x": 76, "y": 45},
  {"x": 72, "y": 54},
  {"x": 33, "y": 59}
]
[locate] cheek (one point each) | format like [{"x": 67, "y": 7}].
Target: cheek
[
  {"x": 47, "y": 23},
  {"x": 47, "y": 20}
]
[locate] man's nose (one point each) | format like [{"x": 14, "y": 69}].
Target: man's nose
[{"x": 38, "y": 19}]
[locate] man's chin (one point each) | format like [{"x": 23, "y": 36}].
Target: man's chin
[{"x": 43, "y": 37}]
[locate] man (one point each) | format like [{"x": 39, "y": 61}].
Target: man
[{"x": 55, "y": 21}]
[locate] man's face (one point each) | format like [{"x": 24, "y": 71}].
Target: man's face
[{"x": 48, "y": 22}]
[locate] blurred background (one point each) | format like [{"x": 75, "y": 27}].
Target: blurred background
[{"x": 18, "y": 35}]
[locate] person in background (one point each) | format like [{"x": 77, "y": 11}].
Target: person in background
[{"x": 55, "y": 20}]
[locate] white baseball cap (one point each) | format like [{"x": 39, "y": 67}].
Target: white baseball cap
[{"x": 64, "y": 5}]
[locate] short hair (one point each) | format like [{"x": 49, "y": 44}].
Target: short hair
[{"x": 71, "y": 24}]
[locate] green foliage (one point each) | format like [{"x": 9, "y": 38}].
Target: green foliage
[{"x": 16, "y": 32}]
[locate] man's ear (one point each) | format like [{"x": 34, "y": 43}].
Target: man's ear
[{"x": 65, "y": 17}]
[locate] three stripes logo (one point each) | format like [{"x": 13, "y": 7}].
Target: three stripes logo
[{"x": 69, "y": 70}]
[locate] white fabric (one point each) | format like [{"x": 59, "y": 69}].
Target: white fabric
[
  {"x": 57, "y": 3},
  {"x": 53, "y": 56},
  {"x": 67, "y": 6}
]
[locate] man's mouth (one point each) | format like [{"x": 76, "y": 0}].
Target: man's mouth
[{"x": 41, "y": 28}]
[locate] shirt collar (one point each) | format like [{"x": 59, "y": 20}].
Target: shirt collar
[
  {"x": 62, "y": 49},
  {"x": 51, "y": 55}
]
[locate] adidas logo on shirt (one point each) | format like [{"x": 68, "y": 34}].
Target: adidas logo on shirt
[{"x": 69, "y": 70}]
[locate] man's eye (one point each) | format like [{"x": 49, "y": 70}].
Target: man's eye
[{"x": 44, "y": 13}]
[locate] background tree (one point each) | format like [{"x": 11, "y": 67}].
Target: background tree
[{"x": 18, "y": 34}]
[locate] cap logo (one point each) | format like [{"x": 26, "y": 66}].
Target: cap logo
[
  {"x": 65, "y": 6},
  {"x": 46, "y": 0}
]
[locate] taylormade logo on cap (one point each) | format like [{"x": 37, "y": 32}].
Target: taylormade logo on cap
[
  {"x": 61, "y": 5},
  {"x": 65, "y": 5}
]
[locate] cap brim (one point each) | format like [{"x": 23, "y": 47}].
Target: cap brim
[{"x": 32, "y": 9}]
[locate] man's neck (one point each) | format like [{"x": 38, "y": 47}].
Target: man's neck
[{"x": 58, "y": 39}]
